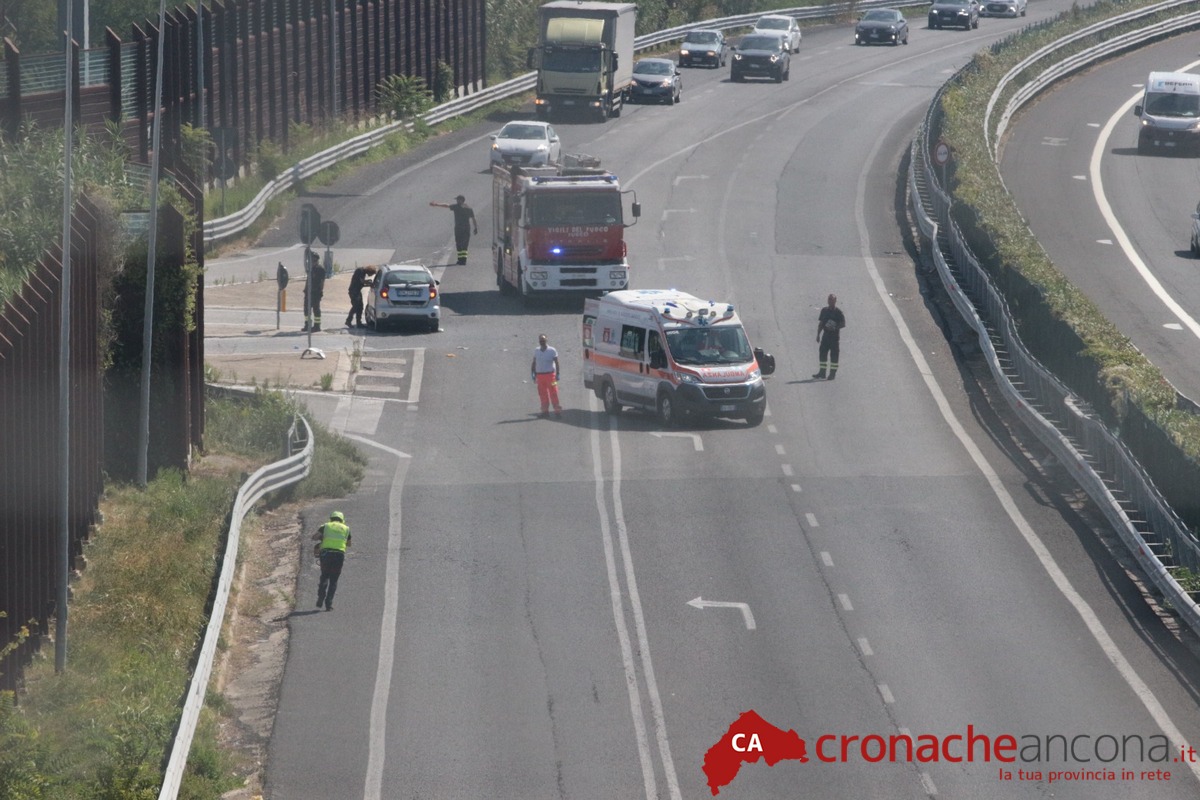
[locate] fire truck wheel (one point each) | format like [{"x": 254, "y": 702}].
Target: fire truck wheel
[
  {"x": 667, "y": 414},
  {"x": 500, "y": 282},
  {"x": 608, "y": 394}
]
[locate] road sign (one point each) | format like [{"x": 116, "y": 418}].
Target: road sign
[
  {"x": 941, "y": 153},
  {"x": 329, "y": 233},
  {"x": 310, "y": 223}
]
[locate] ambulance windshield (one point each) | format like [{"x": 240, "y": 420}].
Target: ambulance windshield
[{"x": 725, "y": 344}]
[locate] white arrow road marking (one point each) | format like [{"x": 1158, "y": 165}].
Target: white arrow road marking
[
  {"x": 700, "y": 602},
  {"x": 695, "y": 437}
]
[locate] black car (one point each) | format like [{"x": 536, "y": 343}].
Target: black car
[
  {"x": 882, "y": 25},
  {"x": 656, "y": 80},
  {"x": 705, "y": 48},
  {"x": 761, "y": 56},
  {"x": 954, "y": 13}
]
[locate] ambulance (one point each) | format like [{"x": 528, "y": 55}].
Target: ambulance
[{"x": 672, "y": 354}]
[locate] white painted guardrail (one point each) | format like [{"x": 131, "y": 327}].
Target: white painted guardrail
[
  {"x": 292, "y": 469},
  {"x": 1098, "y": 460},
  {"x": 1074, "y": 63},
  {"x": 224, "y": 227}
]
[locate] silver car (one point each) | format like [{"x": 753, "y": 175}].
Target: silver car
[
  {"x": 404, "y": 293},
  {"x": 1003, "y": 8},
  {"x": 531, "y": 143},
  {"x": 787, "y": 27}
]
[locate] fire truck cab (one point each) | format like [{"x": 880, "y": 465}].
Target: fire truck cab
[
  {"x": 559, "y": 229},
  {"x": 674, "y": 355}
]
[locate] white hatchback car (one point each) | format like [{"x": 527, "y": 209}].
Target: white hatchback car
[
  {"x": 404, "y": 293},
  {"x": 787, "y": 27},
  {"x": 526, "y": 143}
]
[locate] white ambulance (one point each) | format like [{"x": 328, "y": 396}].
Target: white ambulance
[{"x": 674, "y": 354}]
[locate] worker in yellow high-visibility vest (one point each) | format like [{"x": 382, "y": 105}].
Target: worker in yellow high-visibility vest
[{"x": 332, "y": 539}]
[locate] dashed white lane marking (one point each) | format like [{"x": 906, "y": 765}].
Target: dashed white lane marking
[
  {"x": 844, "y": 599},
  {"x": 886, "y": 694},
  {"x": 865, "y": 646},
  {"x": 930, "y": 786},
  {"x": 779, "y": 450},
  {"x": 826, "y": 559},
  {"x": 795, "y": 487},
  {"x": 812, "y": 520},
  {"x": 1087, "y": 614},
  {"x": 787, "y": 469}
]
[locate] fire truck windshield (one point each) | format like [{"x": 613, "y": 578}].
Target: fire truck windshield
[
  {"x": 575, "y": 208},
  {"x": 559, "y": 59},
  {"x": 726, "y": 344}
]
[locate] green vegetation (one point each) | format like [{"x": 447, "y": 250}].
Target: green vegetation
[
  {"x": 101, "y": 728},
  {"x": 1000, "y": 236},
  {"x": 31, "y": 189}
]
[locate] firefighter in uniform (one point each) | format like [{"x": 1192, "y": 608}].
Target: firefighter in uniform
[
  {"x": 332, "y": 540},
  {"x": 829, "y": 330},
  {"x": 314, "y": 290},
  {"x": 464, "y": 224}
]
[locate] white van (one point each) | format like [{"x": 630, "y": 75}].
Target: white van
[
  {"x": 1170, "y": 112},
  {"x": 671, "y": 353}
]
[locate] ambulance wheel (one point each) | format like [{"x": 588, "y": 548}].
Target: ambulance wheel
[
  {"x": 668, "y": 415},
  {"x": 755, "y": 419},
  {"x": 608, "y": 395}
]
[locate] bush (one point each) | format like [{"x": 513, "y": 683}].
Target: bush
[{"x": 402, "y": 97}]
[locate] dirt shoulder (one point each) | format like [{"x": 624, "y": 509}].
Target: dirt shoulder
[{"x": 250, "y": 670}]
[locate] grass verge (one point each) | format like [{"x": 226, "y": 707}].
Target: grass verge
[{"x": 102, "y": 728}]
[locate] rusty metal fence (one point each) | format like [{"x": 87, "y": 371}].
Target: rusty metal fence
[
  {"x": 30, "y": 462},
  {"x": 30, "y": 517},
  {"x": 268, "y": 65}
]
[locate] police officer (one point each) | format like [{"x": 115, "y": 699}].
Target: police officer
[
  {"x": 333, "y": 538},
  {"x": 464, "y": 222}
]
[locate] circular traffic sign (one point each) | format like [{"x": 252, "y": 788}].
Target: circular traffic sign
[
  {"x": 329, "y": 233},
  {"x": 941, "y": 153}
]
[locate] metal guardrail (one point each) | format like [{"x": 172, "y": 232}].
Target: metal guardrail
[
  {"x": 218, "y": 229},
  {"x": 1073, "y": 432},
  {"x": 292, "y": 469},
  {"x": 1080, "y": 60}
]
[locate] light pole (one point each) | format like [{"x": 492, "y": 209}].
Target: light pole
[{"x": 200, "y": 67}]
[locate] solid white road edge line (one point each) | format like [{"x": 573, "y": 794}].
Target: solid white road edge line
[
  {"x": 639, "y": 618},
  {"x": 618, "y": 609},
  {"x": 1081, "y": 606},
  {"x": 377, "y": 736},
  {"x": 1115, "y": 226}
]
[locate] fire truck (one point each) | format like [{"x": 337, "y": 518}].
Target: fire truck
[{"x": 559, "y": 229}]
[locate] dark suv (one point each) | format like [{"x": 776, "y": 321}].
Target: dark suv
[{"x": 761, "y": 56}]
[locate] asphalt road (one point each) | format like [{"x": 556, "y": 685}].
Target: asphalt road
[
  {"x": 517, "y": 617},
  {"x": 1116, "y": 223}
]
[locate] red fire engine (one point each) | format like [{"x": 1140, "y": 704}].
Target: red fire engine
[{"x": 559, "y": 229}]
